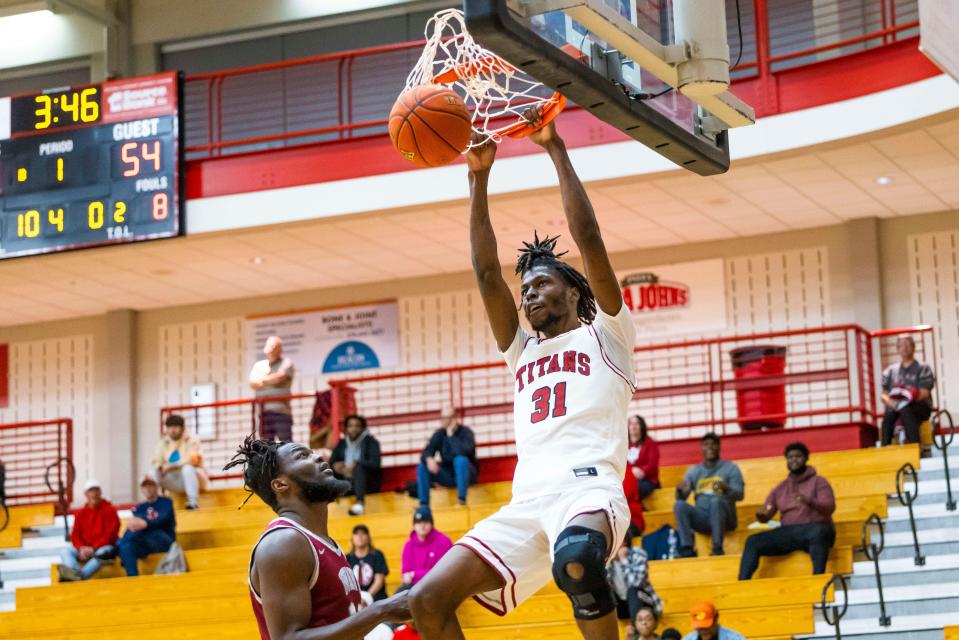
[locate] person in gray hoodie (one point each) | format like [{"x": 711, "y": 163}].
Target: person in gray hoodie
[{"x": 717, "y": 485}]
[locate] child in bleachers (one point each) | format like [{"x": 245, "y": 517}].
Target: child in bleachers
[{"x": 628, "y": 575}]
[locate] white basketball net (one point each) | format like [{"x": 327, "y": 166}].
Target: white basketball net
[{"x": 493, "y": 88}]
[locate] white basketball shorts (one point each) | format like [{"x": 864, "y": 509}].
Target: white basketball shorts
[{"x": 517, "y": 541}]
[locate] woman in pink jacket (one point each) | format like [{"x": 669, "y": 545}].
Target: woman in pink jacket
[{"x": 424, "y": 548}]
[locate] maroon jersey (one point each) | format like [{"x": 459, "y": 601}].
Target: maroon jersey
[{"x": 334, "y": 592}]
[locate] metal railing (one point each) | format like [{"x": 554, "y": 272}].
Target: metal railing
[
  {"x": 907, "y": 474},
  {"x": 348, "y": 94},
  {"x": 26, "y": 448},
  {"x": 62, "y": 474},
  {"x": 831, "y": 612},
  {"x": 827, "y": 381},
  {"x": 872, "y": 552},
  {"x": 941, "y": 443}
]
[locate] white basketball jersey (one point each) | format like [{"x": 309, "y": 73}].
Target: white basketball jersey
[{"x": 569, "y": 412}]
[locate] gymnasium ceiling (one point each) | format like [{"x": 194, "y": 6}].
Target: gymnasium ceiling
[{"x": 907, "y": 170}]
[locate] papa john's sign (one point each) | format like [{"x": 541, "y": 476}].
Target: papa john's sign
[{"x": 676, "y": 299}]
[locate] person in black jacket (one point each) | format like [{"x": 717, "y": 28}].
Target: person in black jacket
[
  {"x": 356, "y": 458},
  {"x": 449, "y": 458}
]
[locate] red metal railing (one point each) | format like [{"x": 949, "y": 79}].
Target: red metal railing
[
  {"x": 27, "y": 449},
  {"x": 684, "y": 390},
  {"x": 348, "y": 94}
]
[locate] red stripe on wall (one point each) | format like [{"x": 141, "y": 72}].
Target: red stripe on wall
[{"x": 4, "y": 376}]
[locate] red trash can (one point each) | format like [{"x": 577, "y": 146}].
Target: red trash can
[{"x": 751, "y": 363}]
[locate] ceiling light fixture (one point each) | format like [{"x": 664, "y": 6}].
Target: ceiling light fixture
[
  {"x": 883, "y": 180},
  {"x": 256, "y": 260}
]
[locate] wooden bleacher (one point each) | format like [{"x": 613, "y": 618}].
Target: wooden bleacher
[
  {"x": 212, "y": 599},
  {"x": 24, "y": 517}
]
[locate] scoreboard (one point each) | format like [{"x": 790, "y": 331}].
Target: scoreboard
[{"x": 91, "y": 165}]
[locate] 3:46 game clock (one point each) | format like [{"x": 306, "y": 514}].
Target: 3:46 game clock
[{"x": 91, "y": 165}]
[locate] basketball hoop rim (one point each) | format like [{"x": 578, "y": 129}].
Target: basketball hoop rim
[{"x": 519, "y": 129}]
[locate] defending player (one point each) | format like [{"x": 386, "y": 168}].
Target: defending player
[
  {"x": 301, "y": 585},
  {"x": 573, "y": 382}
]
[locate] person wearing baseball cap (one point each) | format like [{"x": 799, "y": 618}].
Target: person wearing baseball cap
[
  {"x": 369, "y": 563},
  {"x": 94, "y": 536},
  {"x": 152, "y": 529},
  {"x": 705, "y": 623},
  {"x": 424, "y": 548}
]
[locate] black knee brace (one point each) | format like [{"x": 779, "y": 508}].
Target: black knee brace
[{"x": 590, "y": 594}]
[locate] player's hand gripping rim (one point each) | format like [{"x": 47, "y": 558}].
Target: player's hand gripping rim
[{"x": 544, "y": 136}]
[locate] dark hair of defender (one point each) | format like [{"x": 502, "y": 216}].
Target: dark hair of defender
[
  {"x": 540, "y": 252},
  {"x": 260, "y": 466},
  {"x": 797, "y": 446}
]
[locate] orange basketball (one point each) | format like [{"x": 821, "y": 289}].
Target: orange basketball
[{"x": 430, "y": 125}]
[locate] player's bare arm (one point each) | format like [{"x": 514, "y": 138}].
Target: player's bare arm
[
  {"x": 500, "y": 307},
  {"x": 281, "y": 574},
  {"x": 580, "y": 218}
]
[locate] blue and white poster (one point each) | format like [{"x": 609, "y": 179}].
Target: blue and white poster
[{"x": 330, "y": 341}]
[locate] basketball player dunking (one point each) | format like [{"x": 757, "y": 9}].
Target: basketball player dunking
[
  {"x": 301, "y": 585},
  {"x": 572, "y": 381}
]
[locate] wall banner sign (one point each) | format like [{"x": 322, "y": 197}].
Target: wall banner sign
[
  {"x": 330, "y": 341},
  {"x": 676, "y": 299}
]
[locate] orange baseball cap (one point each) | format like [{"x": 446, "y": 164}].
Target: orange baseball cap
[{"x": 703, "y": 615}]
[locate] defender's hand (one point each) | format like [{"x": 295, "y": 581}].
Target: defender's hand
[
  {"x": 396, "y": 608},
  {"x": 545, "y": 136},
  {"x": 480, "y": 158}
]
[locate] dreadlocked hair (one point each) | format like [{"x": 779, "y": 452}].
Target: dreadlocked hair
[
  {"x": 260, "y": 466},
  {"x": 540, "y": 252}
]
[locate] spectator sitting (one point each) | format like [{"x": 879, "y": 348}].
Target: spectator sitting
[
  {"x": 806, "y": 503},
  {"x": 179, "y": 462},
  {"x": 424, "y": 548},
  {"x": 94, "y": 536},
  {"x": 670, "y": 633},
  {"x": 645, "y": 623},
  {"x": 152, "y": 529},
  {"x": 705, "y": 622},
  {"x": 642, "y": 457},
  {"x": 718, "y": 486},
  {"x": 272, "y": 377},
  {"x": 356, "y": 458},
  {"x": 369, "y": 564},
  {"x": 449, "y": 458},
  {"x": 628, "y": 575},
  {"x": 907, "y": 393}
]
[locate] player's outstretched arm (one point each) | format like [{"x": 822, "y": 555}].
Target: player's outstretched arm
[
  {"x": 499, "y": 303},
  {"x": 580, "y": 218},
  {"x": 284, "y": 564}
]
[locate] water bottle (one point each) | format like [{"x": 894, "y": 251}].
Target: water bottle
[{"x": 673, "y": 543}]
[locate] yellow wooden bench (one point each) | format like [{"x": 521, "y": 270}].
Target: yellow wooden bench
[
  {"x": 23, "y": 517},
  {"x": 746, "y": 511},
  {"x": 827, "y": 463},
  {"x": 710, "y": 569}
]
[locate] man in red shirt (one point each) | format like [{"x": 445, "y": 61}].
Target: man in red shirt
[
  {"x": 301, "y": 585},
  {"x": 806, "y": 503},
  {"x": 94, "y": 537}
]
